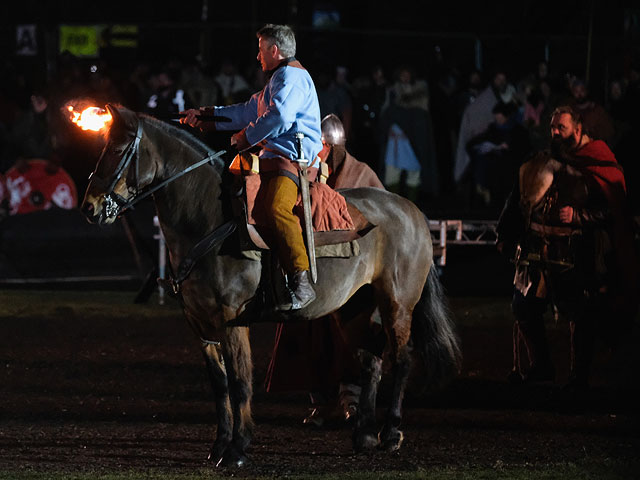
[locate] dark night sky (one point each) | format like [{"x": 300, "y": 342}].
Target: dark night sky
[
  {"x": 513, "y": 33},
  {"x": 500, "y": 16}
]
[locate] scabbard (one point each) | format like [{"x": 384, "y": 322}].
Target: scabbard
[{"x": 308, "y": 222}]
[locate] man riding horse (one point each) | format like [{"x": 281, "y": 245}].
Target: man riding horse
[
  {"x": 286, "y": 106},
  {"x": 567, "y": 228},
  {"x": 391, "y": 262}
]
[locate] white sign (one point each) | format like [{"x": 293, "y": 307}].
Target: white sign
[
  {"x": 19, "y": 188},
  {"x": 26, "y": 42}
]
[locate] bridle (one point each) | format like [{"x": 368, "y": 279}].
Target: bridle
[{"x": 114, "y": 203}]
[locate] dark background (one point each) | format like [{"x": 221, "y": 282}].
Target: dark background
[
  {"x": 513, "y": 34},
  {"x": 593, "y": 39}
]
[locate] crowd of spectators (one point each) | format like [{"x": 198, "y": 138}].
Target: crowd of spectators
[
  {"x": 471, "y": 130},
  {"x": 451, "y": 140}
]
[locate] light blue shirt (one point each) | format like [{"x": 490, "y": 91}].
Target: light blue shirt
[{"x": 286, "y": 105}]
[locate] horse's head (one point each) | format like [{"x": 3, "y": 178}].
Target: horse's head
[{"x": 121, "y": 171}]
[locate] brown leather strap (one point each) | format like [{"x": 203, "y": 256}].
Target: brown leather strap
[{"x": 555, "y": 231}]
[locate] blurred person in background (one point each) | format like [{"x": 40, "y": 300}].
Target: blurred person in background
[
  {"x": 166, "y": 95},
  {"x": 316, "y": 356},
  {"x": 409, "y": 158},
  {"x": 370, "y": 95},
  {"x": 476, "y": 118},
  {"x": 496, "y": 155},
  {"x": 233, "y": 86}
]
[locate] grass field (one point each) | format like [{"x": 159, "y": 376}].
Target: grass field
[
  {"x": 101, "y": 337},
  {"x": 586, "y": 471}
]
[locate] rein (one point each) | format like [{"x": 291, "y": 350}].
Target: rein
[
  {"x": 204, "y": 246},
  {"x": 136, "y": 198}
]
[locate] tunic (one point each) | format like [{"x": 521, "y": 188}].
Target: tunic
[{"x": 271, "y": 118}]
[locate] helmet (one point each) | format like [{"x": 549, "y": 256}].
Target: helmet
[{"x": 332, "y": 130}]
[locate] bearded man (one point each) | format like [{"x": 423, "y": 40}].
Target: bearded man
[{"x": 567, "y": 227}]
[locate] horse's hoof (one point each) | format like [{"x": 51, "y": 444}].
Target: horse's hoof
[
  {"x": 214, "y": 458},
  {"x": 217, "y": 452},
  {"x": 363, "y": 442},
  {"x": 392, "y": 440},
  {"x": 232, "y": 459},
  {"x": 236, "y": 462}
]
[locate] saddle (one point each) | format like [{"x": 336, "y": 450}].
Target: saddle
[
  {"x": 254, "y": 238},
  {"x": 336, "y": 228}
]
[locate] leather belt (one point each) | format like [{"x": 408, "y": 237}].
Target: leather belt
[{"x": 555, "y": 231}]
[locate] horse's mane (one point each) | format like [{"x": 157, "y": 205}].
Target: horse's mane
[{"x": 186, "y": 138}]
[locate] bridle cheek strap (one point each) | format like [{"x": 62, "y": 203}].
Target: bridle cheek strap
[{"x": 132, "y": 152}]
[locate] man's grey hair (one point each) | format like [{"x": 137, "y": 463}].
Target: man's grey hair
[{"x": 280, "y": 35}]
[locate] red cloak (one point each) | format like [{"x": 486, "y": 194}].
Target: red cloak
[{"x": 597, "y": 160}]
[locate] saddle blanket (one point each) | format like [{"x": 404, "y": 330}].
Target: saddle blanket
[
  {"x": 328, "y": 208},
  {"x": 336, "y": 250}
]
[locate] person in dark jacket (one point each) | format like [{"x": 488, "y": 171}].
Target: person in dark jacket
[
  {"x": 496, "y": 155},
  {"x": 316, "y": 356}
]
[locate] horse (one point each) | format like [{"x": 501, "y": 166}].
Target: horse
[{"x": 147, "y": 156}]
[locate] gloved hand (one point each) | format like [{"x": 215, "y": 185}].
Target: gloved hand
[{"x": 191, "y": 118}]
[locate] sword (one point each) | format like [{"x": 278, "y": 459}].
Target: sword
[{"x": 306, "y": 208}]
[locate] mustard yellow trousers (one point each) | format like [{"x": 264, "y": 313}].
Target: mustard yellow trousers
[{"x": 280, "y": 198}]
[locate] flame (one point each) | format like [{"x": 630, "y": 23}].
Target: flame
[{"x": 91, "y": 118}]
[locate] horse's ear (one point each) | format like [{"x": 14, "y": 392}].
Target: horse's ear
[
  {"x": 117, "y": 122},
  {"x": 123, "y": 121}
]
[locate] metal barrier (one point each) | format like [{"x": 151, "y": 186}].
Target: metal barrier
[{"x": 460, "y": 232}]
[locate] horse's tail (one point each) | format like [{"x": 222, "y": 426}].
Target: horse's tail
[{"x": 433, "y": 333}]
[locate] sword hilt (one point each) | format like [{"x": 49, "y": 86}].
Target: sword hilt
[{"x": 300, "y": 159}]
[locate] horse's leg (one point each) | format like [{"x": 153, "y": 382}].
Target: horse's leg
[
  {"x": 365, "y": 435},
  {"x": 218, "y": 377},
  {"x": 398, "y": 332},
  {"x": 237, "y": 354}
]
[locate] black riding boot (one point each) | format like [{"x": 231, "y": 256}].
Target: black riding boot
[{"x": 300, "y": 290}]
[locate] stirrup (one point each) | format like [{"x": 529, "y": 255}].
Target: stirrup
[{"x": 295, "y": 304}]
